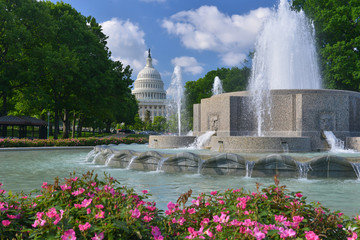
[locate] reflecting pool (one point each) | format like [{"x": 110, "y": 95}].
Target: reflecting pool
[{"x": 27, "y": 170}]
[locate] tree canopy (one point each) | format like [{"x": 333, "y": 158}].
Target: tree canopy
[
  {"x": 233, "y": 79},
  {"x": 337, "y": 25},
  {"x": 54, "y": 59}
]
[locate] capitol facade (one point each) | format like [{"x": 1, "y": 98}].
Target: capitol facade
[{"x": 149, "y": 91}]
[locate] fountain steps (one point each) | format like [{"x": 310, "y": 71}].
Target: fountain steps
[{"x": 247, "y": 165}]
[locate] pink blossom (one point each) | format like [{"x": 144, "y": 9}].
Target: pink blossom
[
  {"x": 155, "y": 231},
  {"x": 171, "y": 205},
  {"x": 218, "y": 228},
  {"x": 5, "y": 223},
  {"x": 86, "y": 202},
  {"x": 298, "y": 219},
  {"x": 258, "y": 234},
  {"x": 221, "y": 202},
  {"x": 51, "y": 213},
  {"x": 280, "y": 218},
  {"x": 84, "y": 226},
  {"x": 205, "y": 221},
  {"x": 147, "y": 219},
  {"x": 44, "y": 185},
  {"x": 213, "y": 193},
  {"x": 310, "y": 235},
  {"x": 100, "y": 206},
  {"x": 357, "y": 218},
  {"x": 69, "y": 235},
  {"x": 65, "y": 187},
  {"x": 144, "y": 191},
  {"x": 191, "y": 211},
  {"x": 209, "y": 233},
  {"x": 100, "y": 214},
  {"x": 88, "y": 211},
  {"x": 299, "y": 195},
  {"x": 98, "y": 237},
  {"x": 354, "y": 236},
  {"x": 78, "y": 192},
  {"x": 135, "y": 213}
]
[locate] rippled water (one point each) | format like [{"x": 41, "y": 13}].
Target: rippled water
[{"x": 27, "y": 170}]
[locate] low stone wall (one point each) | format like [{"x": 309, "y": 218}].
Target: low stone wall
[
  {"x": 353, "y": 143},
  {"x": 247, "y": 165},
  {"x": 162, "y": 141},
  {"x": 248, "y": 144}
]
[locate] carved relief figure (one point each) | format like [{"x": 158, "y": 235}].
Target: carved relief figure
[
  {"x": 213, "y": 122},
  {"x": 327, "y": 121}
]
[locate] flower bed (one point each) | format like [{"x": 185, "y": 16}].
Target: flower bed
[
  {"x": 88, "y": 208},
  {"x": 7, "y": 142}
]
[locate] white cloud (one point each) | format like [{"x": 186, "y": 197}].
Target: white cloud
[
  {"x": 188, "y": 64},
  {"x": 126, "y": 42},
  {"x": 206, "y": 28}
]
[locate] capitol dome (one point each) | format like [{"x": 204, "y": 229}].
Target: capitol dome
[{"x": 149, "y": 91}]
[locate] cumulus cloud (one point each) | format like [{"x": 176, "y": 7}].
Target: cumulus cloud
[
  {"x": 188, "y": 64},
  {"x": 126, "y": 42},
  {"x": 206, "y": 28}
]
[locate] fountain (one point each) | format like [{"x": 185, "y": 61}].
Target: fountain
[
  {"x": 217, "y": 86},
  {"x": 176, "y": 92},
  {"x": 284, "y": 110}
]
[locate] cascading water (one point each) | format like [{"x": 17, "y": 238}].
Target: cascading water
[
  {"x": 217, "y": 86},
  {"x": 108, "y": 159},
  {"x": 202, "y": 140},
  {"x": 130, "y": 162},
  {"x": 285, "y": 58},
  {"x": 336, "y": 145},
  {"x": 176, "y": 93}
]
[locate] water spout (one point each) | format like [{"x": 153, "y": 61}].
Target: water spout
[
  {"x": 336, "y": 145},
  {"x": 160, "y": 164},
  {"x": 249, "y": 168},
  {"x": 202, "y": 140},
  {"x": 285, "y": 58},
  {"x": 108, "y": 159},
  {"x": 217, "y": 86},
  {"x": 176, "y": 93},
  {"x": 303, "y": 168},
  {"x": 130, "y": 162}
]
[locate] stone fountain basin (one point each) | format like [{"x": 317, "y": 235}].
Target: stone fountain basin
[
  {"x": 320, "y": 165},
  {"x": 168, "y": 141}
]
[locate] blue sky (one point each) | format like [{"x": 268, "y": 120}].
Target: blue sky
[{"x": 197, "y": 35}]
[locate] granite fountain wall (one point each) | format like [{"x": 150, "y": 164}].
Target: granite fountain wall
[{"x": 296, "y": 121}]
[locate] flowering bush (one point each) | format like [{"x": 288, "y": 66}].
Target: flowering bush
[
  {"x": 88, "y": 208},
  {"x": 7, "y": 142}
]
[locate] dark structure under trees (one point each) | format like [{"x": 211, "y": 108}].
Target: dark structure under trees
[{"x": 19, "y": 127}]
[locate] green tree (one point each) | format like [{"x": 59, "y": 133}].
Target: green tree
[
  {"x": 337, "y": 25},
  {"x": 159, "y": 124},
  {"x": 234, "y": 79}
]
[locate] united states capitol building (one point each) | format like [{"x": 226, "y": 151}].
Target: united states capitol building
[{"x": 149, "y": 91}]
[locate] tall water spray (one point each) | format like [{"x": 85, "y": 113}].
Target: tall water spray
[
  {"x": 217, "y": 86},
  {"x": 285, "y": 58},
  {"x": 176, "y": 93}
]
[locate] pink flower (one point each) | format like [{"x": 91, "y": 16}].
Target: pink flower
[
  {"x": 155, "y": 231},
  {"x": 100, "y": 214},
  {"x": 353, "y": 237},
  {"x": 218, "y": 228},
  {"x": 205, "y": 221},
  {"x": 258, "y": 234},
  {"x": 144, "y": 191},
  {"x": 221, "y": 202},
  {"x": 191, "y": 211},
  {"x": 5, "y": 223},
  {"x": 78, "y": 192},
  {"x": 98, "y": 237},
  {"x": 65, "y": 187},
  {"x": 171, "y": 205},
  {"x": 213, "y": 193},
  {"x": 147, "y": 219},
  {"x": 310, "y": 235},
  {"x": 86, "y": 202},
  {"x": 44, "y": 185},
  {"x": 51, "y": 213},
  {"x": 69, "y": 235},
  {"x": 100, "y": 206},
  {"x": 299, "y": 195},
  {"x": 207, "y": 232},
  {"x": 84, "y": 226},
  {"x": 135, "y": 213},
  {"x": 88, "y": 211}
]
